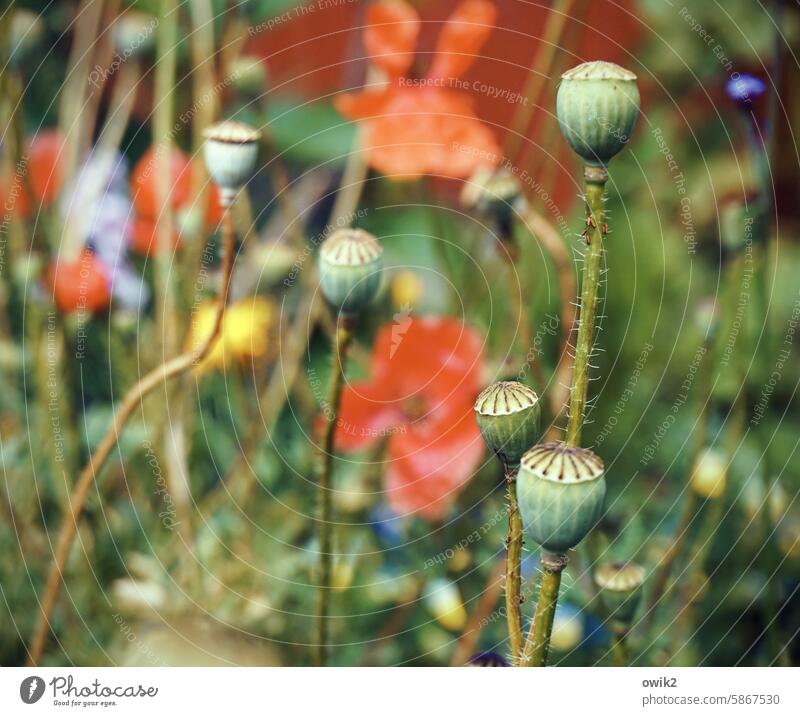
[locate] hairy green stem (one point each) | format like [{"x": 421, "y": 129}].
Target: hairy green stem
[
  {"x": 344, "y": 334},
  {"x": 538, "y": 642},
  {"x": 513, "y": 583},
  {"x": 594, "y": 233}
]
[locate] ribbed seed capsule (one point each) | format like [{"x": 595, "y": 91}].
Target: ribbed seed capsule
[
  {"x": 230, "y": 152},
  {"x": 620, "y": 588},
  {"x": 508, "y": 417},
  {"x": 597, "y": 107},
  {"x": 350, "y": 269},
  {"x": 561, "y": 489}
]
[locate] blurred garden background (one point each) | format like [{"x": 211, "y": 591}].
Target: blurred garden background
[{"x": 198, "y": 542}]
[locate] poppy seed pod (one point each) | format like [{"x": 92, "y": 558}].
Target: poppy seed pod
[
  {"x": 561, "y": 489},
  {"x": 508, "y": 417},
  {"x": 230, "y": 152},
  {"x": 597, "y": 107},
  {"x": 709, "y": 474},
  {"x": 620, "y": 588},
  {"x": 350, "y": 269}
]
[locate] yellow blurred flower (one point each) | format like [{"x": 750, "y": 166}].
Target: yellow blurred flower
[
  {"x": 710, "y": 474},
  {"x": 244, "y": 335},
  {"x": 444, "y": 602},
  {"x": 407, "y": 290}
]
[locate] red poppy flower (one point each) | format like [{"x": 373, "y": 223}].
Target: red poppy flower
[
  {"x": 144, "y": 182},
  {"x": 391, "y": 36},
  {"x": 43, "y": 154},
  {"x": 80, "y": 285},
  {"x": 410, "y": 129},
  {"x": 143, "y": 236},
  {"x": 144, "y": 187},
  {"x": 425, "y": 374}
]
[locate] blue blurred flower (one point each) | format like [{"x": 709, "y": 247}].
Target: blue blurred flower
[
  {"x": 388, "y": 525},
  {"x": 742, "y": 89}
]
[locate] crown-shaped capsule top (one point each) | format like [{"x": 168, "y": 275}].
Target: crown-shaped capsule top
[
  {"x": 508, "y": 417},
  {"x": 599, "y": 70},
  {"x": 230, "y": 152},
  {"x": 350, "y": 247},
  {"x": 562, "y": 463},
  {"x": 232, "y": 132},
  {"x": 619, "y": 577},
  {"x": 505, "y": 398},
  {"x": 350, "y": 269}
]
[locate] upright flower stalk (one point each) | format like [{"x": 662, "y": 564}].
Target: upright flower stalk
[
  {"x": 350, "y": 270},
  {"x": 561, "y": 485},
  {"x": 508, "y": 415},
  {"x": 232, "y": 168}
]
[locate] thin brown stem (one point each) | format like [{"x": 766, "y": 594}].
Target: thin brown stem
[
  {"x": 344, "y": 334},
  {"x": 86, "y": 479},
  {"x": 539, "y": 73},
  {"x": 537, "y": 645},
  {"x": 513, "y": 583}
]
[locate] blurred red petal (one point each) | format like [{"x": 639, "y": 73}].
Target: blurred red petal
[
  {"x": 366, "y": 412},
  {"x": 144, "y": 187},
  {"x": 143, "y": 236},
  {"x": 79, "y": 285},
  {"x": 44, "y": 159},
  {"x": 437, "y": 355},
  {"x": 431, "y": 130},
  {"x": 362, "y": 105},
  {"x": 391, "y": 35},
  {"x": 429, "y": 468},
  {"x": 462, "y": 37}
]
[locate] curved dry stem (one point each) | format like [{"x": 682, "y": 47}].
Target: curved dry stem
[{"x": 80, "y": 492}]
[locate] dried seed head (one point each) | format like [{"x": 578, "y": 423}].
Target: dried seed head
[
  {"x": 350, "y": 267},
  {"x": 230, "y": 152},
  {"x": 597, "y": 106},
  {"x": 508, "y": 417}
]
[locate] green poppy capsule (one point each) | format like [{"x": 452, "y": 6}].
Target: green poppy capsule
[
  {"x": 350, "y": 269},
  {"x": 597, "y": 107},
  {"x": 508, "y": 417},
  {"x": 561, "y": 489},
  {"x": 620, "y": 589}
]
